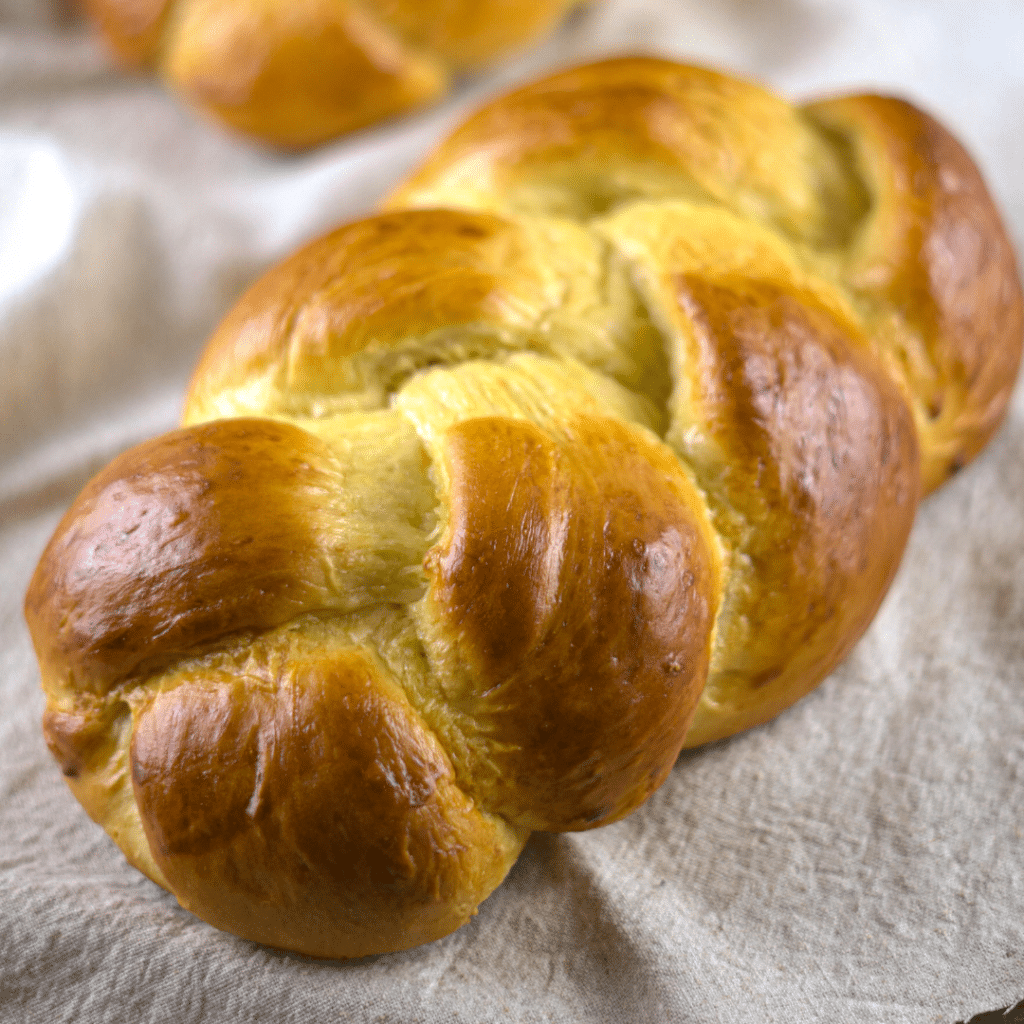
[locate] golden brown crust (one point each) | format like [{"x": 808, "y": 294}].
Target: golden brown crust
[
  {"x": 585, "y": 141},
  {"x": 576, "y": 587},
  {"x": 344, "y": 321},
  {"x": 237, "y": 775},
  {"x": 295, "y": 74},
  {"x": 656, "y": 408},
  {"x": 936, "y": 273},
  {"x": 88, "y": 737},
  {"x": 352, "y": 298},
  {"x": 183, "y": 540},
  {"x": 881, "y": 196},
  {"x": 816, "y": 492},
  {"x": 300, "y": 73},
  {"x": 72, "y": 739}
]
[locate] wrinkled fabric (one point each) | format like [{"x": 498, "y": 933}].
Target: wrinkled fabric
[{"x": 859, "y": 859}]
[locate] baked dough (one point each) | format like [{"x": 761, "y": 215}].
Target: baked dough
[
  {"x": 296, "y": 73},
  {"x": 603, "y": 438}
]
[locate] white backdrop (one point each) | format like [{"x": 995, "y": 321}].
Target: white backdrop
[{"x": 860, "y": 859}]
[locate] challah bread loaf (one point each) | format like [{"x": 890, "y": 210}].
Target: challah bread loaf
[
  {"x": 605, "y": 437},
  {"x": 298, "y": 73}
]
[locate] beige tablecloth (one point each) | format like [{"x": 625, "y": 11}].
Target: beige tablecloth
[{"x": 860, "y": 859}]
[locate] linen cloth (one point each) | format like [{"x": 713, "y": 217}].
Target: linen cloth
[{"x": 858, "y": 859}]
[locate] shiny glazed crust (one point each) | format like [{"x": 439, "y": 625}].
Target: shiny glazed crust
[
  {"x": 604, "y": 438},
  {"x": 298, "y": 73}
]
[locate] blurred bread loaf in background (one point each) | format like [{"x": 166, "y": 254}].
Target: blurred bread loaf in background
[{"x": 296, "y": 73}]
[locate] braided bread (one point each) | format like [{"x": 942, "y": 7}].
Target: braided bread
[
  {"x": 296, "y": 73},
  {"x": 603, "y": 438}
]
